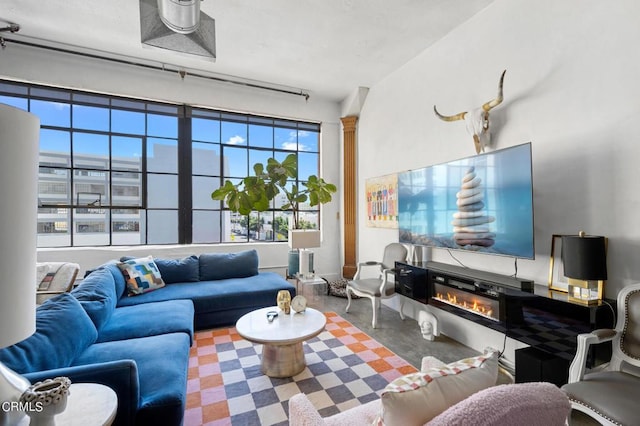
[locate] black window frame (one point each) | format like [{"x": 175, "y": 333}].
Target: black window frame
[{"x": 185, "y": 174}]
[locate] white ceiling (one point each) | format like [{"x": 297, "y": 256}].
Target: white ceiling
[{"x": 325, "y": 47}]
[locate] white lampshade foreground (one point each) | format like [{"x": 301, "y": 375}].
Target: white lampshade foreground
[
  {"x": 304, "y": 238},
  {"x": 19, "y": 135}
]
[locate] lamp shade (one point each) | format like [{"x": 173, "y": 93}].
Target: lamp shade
[
  {"x": 304, "y": 238},
  {"x": 584, "y": 257},
  {"x": 19, "y": 131}
]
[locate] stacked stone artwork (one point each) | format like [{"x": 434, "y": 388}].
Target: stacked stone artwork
[{"x": 470, "y": 223}]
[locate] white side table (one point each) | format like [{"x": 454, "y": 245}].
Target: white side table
[{"x": 87, "y": 404}]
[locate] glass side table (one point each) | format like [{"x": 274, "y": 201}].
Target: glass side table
[{"x": 311, "y": 287}]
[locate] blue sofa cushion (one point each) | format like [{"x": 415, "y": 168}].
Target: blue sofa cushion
[
  {"x": 149, "y": 319},
  {"x": 219, "y": 266},
  {"x": 179, "y": 270},
  {"x": 162, "y": 363},
  {"x": 63, "y": 332},
  {"x": 97, "y": 295},
  {"x": 257, "y": 291},
  {"x": 118, "y": 278}
]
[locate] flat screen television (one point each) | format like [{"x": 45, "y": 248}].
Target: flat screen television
[{"x": 482, "y": 203}]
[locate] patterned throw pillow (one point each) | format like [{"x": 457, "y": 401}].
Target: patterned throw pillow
[
  {"x": 418, "y": 397},
  {"x": 141, "y": 275}
]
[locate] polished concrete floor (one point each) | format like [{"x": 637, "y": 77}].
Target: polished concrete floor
[{"x": 403, "y": 337}]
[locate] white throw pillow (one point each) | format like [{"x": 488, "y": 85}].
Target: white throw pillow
[{"x": 416, "y": 398}]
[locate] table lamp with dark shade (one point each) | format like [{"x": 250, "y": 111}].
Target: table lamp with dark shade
[
  {"x": 584, "y": 258},
  {"x": 19, "y": 133}
]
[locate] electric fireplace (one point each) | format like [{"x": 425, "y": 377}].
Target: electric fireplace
[
  {"x": 455, "y": 294},
  {"x": 466, "y": 297}
]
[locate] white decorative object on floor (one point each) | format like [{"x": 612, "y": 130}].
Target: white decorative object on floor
[{"x": 428, "y": 325}]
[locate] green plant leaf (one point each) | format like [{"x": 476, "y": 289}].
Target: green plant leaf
[
  {"x": 255, "y": 193},
  {"x": 245, "y": 206},
  {"x": 290, "y": 164}
]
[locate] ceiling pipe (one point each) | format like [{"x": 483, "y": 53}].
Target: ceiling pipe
[
  {"x": 178, "y": 25},
  {"x": 181, "y": 16},
  {"x": 163, "y": 67},
  {"x": 12, "y": 28}
]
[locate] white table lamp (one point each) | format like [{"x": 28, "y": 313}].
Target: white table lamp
[
  {"x": 303, "y": 239},
  {"x": 19, "y": 131}
]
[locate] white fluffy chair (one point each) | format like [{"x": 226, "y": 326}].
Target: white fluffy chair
[
  {"x": 505, "y": 405},
  {"x": 54, "y": 278}
]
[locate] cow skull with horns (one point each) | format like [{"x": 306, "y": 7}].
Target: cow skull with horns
[{"x": 477, "y": 120}]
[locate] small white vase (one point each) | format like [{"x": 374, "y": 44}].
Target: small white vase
[{"x": 45, "y": 400}]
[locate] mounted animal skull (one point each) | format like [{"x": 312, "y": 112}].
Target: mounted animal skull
[{"x": 477, "y": 120}]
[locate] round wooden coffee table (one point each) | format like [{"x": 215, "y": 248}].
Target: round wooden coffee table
[{"x": 282, "y": 353}]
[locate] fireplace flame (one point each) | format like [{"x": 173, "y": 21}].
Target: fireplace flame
[{"x": 474, "y": 306}]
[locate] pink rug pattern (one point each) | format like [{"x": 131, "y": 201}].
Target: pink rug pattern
[{"x": 345, "y": 367}]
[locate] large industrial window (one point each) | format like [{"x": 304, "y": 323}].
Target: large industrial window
[{"x": 116, "y": 171}]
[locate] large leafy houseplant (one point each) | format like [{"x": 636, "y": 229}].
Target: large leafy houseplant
[{"x": 254, "y": 193}]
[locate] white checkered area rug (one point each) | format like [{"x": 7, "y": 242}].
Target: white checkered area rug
[{"x": 345, "y": 368}]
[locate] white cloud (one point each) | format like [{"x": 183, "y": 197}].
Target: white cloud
[
  {"x": 303, "y": 133},
  {"x": 60, "y": 106},
  {"x": 289, "y": 145},
  {"x": 236, "y": 140}
]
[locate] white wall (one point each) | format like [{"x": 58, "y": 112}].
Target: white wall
[
  {"x": 571, "y": 88},
  {"x": 40, "y": 66}
]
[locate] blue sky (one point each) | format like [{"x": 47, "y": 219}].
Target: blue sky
[{"x": 163, "y": 127}]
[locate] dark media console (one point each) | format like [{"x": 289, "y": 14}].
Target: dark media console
[
  {"x": 480, "y": 279},
  {"x": 517, "y": 307}
]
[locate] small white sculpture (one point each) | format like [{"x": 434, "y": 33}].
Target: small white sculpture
[{"x": 428, "y": 325}]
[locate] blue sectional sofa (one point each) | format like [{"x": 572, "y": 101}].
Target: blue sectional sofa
[
  {"x": 222, "y": 286},
  {"x": 139, "y": 345}
]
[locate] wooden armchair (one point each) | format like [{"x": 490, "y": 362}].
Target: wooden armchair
[
  {"x": 611, "y": 394},
  {"x": 54, "y": 278}
]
